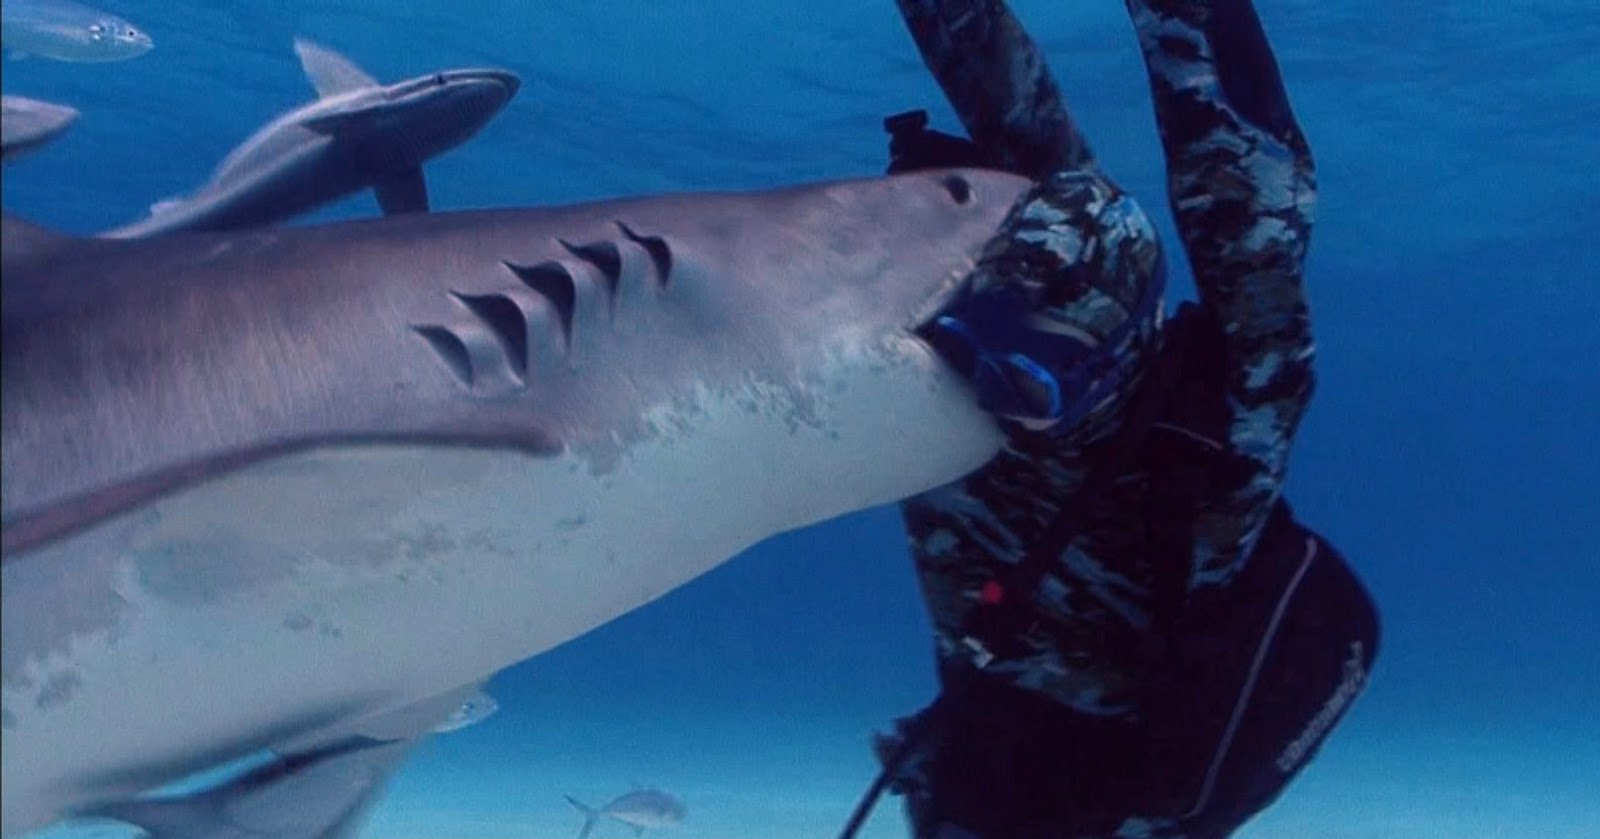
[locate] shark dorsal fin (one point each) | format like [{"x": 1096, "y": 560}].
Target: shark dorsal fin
[{"x": 330, "y": 73}]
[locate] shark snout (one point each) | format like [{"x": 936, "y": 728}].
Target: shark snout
[
  {"x": 496, "y": 85},
  {"x": 30, "y": 123}
]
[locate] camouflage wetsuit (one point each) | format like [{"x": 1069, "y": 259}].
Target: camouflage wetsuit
[{"x": 1241, "y": 186}]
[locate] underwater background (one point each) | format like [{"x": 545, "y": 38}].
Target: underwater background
[{"x": 1452, "y": 450}]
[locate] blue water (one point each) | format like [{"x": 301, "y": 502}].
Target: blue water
[{"x": 1451, "y": 450}]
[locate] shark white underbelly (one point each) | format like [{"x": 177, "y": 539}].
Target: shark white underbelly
[{"x": 374, "y": 577}]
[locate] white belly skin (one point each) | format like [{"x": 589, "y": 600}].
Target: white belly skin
[{"x": 304, "y": 594}]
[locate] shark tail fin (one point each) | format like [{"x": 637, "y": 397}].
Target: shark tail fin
[{"x": 591, "y": 816}]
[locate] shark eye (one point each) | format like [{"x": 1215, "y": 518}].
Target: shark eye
[
  {"x": 959, "y": 188},
  {"x": 438, "y": 79}
]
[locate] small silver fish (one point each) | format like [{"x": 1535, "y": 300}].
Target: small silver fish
[
  {"x": 641, "y": 810},
  {"x": 68, "y": 31}
]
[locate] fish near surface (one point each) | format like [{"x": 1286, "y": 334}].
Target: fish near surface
[
  {"x": 260, "y": 485},
  {"x": 67, "y": 31}
]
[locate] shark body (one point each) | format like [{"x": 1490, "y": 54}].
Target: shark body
[
  {"x": 260, "y": 487},
  {"x": 357, "y": 134}
]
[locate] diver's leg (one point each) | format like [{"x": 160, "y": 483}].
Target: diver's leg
[
  {"x": 1242, "y": 187},
  {"x": 998, "y": 83}
]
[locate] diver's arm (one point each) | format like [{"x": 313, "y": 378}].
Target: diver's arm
[
  {"x": 1242, "y": 187},
  {"x": 997, "y": 81}
]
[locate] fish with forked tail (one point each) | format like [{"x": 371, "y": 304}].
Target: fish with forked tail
[{"x": 641, "y": 809}]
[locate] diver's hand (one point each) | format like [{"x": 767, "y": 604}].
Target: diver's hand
[{"x": 913, "y": 146}]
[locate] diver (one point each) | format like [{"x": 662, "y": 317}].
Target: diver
[{"x": 1135, "y": 637}]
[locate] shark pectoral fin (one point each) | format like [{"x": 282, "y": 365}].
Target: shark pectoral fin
[
  {"x": 417, "y": 719},
  {"x": 317, "y": 794},
  {"x": 330, "y": 73},
  {"x": 329, "y": 123},
  {"x": 406, "y": 192}
]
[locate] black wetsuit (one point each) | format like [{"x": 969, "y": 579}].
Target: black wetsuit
[{"x": 1067, "y": 690}]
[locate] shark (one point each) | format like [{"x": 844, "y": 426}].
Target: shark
[
  {"x": 357, "y": 134},
  {"x": 261, "y": 488}
]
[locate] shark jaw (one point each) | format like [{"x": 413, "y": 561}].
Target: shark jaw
[{"x": 278, "y": 603}]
